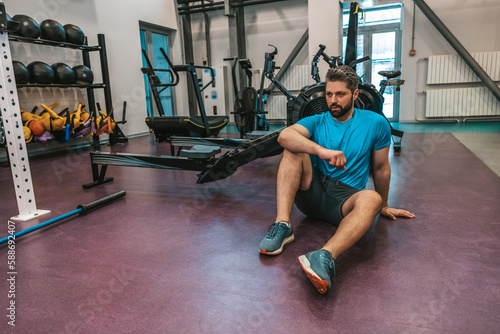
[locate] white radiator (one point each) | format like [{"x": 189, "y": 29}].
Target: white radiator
[
  {"x": 459, "y": 102},
  {"x": 297, "y": 77},
  {"x": 294, "y": 80},
  {"x": 453, "y": 69},
  {"x": 276, "y": 106},
  {"x": 477, "y": 101}
]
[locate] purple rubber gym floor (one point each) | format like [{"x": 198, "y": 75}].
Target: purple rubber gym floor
[{"x": 177, "y": 257}]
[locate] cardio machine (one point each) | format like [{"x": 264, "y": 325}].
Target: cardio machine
[
  {"x": 205, "y": 154},
  {"x": 249, "y": 114},
  {"x": 164, "y": 127},
  {"x": 369, "y": 97},
  {"x": 311, "y": 99}
]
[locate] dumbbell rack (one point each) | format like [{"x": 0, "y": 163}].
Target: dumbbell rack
[{"x": 12, "y": 126}]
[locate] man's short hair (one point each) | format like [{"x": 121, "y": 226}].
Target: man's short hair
[{"x": 345, "y": 74}]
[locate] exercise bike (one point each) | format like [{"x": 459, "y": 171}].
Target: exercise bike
[{"x": 249, "y": 114}]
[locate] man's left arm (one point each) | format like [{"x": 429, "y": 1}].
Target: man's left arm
[{"x": 381, "y": 170}]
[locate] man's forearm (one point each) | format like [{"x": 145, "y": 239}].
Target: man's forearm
[
  {"x": 295, "y": 142},
  {"x": 382, "y": 180}
]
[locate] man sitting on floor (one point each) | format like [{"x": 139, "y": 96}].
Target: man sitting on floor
[{"x": 324, "y": 170}]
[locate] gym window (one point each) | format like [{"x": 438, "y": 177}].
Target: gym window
[{"x": 380, "y": 37}]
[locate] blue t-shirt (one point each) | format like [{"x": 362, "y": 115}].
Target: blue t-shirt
[{"x": 364, "y": 132}]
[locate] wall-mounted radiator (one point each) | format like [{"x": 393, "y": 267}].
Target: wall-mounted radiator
[
  {"x": 276, "y": 106},
  {"x": 453, "y": 102},
  {"x": 294, "y": 80}
]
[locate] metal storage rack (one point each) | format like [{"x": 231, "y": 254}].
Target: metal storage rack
[
  {"x": 117, "y": 135},
  {"x": 11, "y": 132}
]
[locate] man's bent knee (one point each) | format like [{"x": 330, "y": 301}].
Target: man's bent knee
[
  {"x": 371, "y": 198},
  {"x": 365, "y": 200},
  {"x": 299, "y": 157},
  {"x": 298, "y": 161}
]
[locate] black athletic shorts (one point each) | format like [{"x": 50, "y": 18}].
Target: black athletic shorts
[{"x": 324, "y": 198}]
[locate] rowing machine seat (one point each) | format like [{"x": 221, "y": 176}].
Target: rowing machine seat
[
  {"x": 165, "y": 127},
  {"x": 200, "y": 152}
]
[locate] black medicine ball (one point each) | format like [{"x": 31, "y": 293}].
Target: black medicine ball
[
  {"x": 28, "y": 27},
  {"x": 21, "y": 72},
  {"x": 41, "y": 73},
  {"x": 74, "y": 34},
  {"x": 84, "y": 75},
  {"x": 64, "y": 74},
  {"x": 12, "y": 27},
  {"x": 52, "y": 30},
  {"x": 16, "y": 32}
]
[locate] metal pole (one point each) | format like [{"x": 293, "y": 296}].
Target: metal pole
[
  {"x": 291, "y": 58},
  {"x": 352, "y": 34},
  {"x": 207, "y": 39},
  {"x": 237, "y": 38},
  {"x": 10, "y": 114},
  {"x": 186, "y": 1},
  {"x": 103, "y": 56},
  {"x": 253, "y": 2},
  {"x": 203, "y": 10},
  {"x": 203, "y": 6},
  {"x": 469, "y": 60},
  {"x": 183, "y": 10},
  {"x": 82, "y": 209},
  {"x": 189, "y": 59}
]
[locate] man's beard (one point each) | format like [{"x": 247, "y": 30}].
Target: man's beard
[{"x": 342, "y": 111}]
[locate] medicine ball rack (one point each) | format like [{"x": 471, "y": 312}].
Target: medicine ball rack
[
  {"x": 117, "y": 136},
  {"x": 11, "y": 130}
]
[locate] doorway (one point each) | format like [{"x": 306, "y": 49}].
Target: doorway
[
  {"x": 154, "y": 37},
  {"x": 380, "y": 38}
]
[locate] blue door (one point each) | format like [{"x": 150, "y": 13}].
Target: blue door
[{"x": 152, "y": 42}]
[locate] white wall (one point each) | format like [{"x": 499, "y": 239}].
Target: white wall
[
  {"x": 119, "y": 22},
  {"x": 325, "y": 27},
  {"x": 281, "y": 24},
  {"x": 474, "y": 23}
]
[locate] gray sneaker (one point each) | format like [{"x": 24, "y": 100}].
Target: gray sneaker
[
  {"x": 319, "y": 266},
  {"x": 279, "y": 234}
]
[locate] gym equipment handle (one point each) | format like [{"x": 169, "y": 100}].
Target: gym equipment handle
[
  {"x": 357, "y": 61},
  {"x": 100, "y": 202}
]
